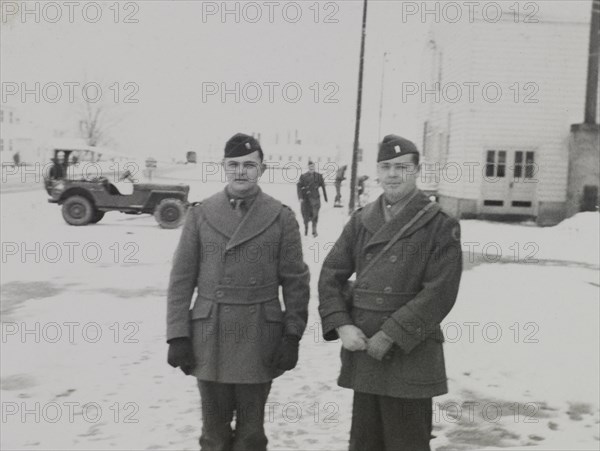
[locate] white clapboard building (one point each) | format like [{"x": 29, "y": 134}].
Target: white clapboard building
[{"x": 498, "y": 100}]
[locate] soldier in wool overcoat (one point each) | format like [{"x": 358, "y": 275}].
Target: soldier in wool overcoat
[
  {"x": 407, "y": 258},
  {"x": 237, "y": 249}
]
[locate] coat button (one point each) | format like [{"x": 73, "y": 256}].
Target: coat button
[
  {"x": 387, "y": 290},
  {"x": 379, "y": 301},
  {"x": 252, "y": 309},
  {"x": 252, "y": 281},
  {"x": 219, "y": 294},
  {"x": 393, "y": 259},
  {"x": 369, "y": 256}
]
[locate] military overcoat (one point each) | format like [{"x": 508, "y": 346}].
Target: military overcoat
[
  {"x": 237, "y": 320},
  {"x": 406, "y": 291}
]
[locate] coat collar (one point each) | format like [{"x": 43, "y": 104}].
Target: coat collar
[
  {"x": 374, "y": 220},
  {"x": 222, "y": 217}
]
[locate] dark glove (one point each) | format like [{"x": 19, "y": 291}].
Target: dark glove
[
  {"x": 286, "y": 355},
  {"x": 379, "y": 345},
  {"x": 181, "y": 354}
]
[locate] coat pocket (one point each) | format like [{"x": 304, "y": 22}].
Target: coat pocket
[
  {"x": 202, "y": 330},
  {"x": 272, "y": 331},
  {"x": 424, "y": 365},
  {"x": 201, "y": 310}
]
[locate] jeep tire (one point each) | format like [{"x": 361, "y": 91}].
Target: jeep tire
[
  {"x": 169, "y": 213},
  {"x": 98, "y": 215},
  {"x": 77, "y": 210}
]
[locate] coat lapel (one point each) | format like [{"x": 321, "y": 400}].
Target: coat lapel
[
  {"x": 262, "y": 213},
  {"x": 220, "y": 215},
  {"x": 384, "y": 231}
]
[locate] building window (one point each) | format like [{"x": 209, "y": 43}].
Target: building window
[
  {"x": 529, "y": 165},
  {"x": 1, "y": 144},
  {"x": 495, "y": 165},
  {"x": 10, "y": 146},
  {"x": 300, "y": 158},
  {"x": 290, "y": 158},
  {"x": 10, "y": 117},
  {"x": 328, "y": 159},
  {"x": 524, "y": 167},
  {"x": 1, "y": 116}
]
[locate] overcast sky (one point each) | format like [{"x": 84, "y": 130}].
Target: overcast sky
[{"x": 177, "y": 46}]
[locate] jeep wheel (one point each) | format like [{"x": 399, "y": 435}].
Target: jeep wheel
[
  {"x": 169, "y": 213},
  {"x": 98, "y": 215},
  {"x": 77, "y": 210}
]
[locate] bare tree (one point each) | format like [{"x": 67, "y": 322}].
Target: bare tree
[
  {"x": 95, "y": 123},
  {"x": 97, "y": 117}
]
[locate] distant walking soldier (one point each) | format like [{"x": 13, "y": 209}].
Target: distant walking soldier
[
  {"x": 407, "y": 258},
  {"x": 361, "y": 189},
  {"x": 340, "y": 176},
  {"x": 309, "y": 197},
  {"x": 237, "y": 248}
]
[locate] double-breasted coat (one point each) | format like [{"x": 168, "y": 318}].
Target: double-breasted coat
[
  {"x": 237, "y": 322},
  {"x": 308, "y": 189},
  {"x": 406, "y": 291}
]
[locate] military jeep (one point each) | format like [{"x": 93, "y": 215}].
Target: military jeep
[{"x": 85, "y": 201}]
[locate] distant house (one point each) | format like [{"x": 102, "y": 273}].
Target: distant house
[
  {"x": 498, "y": 101},
  {"x": 16, "y": 137}
]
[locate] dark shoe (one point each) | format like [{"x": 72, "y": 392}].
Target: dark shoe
[{"x": 306, "y": 230}]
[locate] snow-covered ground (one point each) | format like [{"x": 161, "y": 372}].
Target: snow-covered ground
[{"x": 84, "y": 358}]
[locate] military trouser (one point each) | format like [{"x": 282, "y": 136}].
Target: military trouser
[
  {"x": 338, "y": 192},
  {"x": 390, "y": 424},
  {"x": 310, "y": 212},
  {"x": 219, "y": 402}
]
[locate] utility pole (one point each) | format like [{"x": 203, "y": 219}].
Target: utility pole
[
  {"x": 591, "y": 92},
  {"x": 358, "y": 111},
  {"x": 381, "y": 97}
]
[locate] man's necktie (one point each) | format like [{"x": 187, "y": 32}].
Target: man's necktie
[{"x": 239, "y": 206}]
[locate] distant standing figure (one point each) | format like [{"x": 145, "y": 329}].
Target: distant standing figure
[
  {"x": 309, "y": 197},
  {"x": 17, "y": 158},
  {"x": 340, "y": 176},
  {"x": 57, "y": 170},
  {"x": 361, "y": 189}
]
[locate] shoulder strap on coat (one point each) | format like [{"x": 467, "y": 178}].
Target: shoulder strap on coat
[{"x": 430, "y": 210}]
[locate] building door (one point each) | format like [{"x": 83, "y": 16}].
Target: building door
[{"x": 509, "y": 181}]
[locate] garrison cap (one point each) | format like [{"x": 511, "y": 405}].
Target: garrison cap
[
  {"x": 241, "y": 144},
  {"x": 394, "y": 146}
]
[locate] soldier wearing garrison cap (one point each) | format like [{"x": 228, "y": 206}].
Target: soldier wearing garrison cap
[
  {"x": 237, "y": 248},
  {"x": 407, "y": 258},
  {"x": 310, "y": 200}
]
